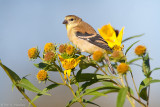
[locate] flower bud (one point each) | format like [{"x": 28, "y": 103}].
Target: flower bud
[
  {"x": 33, "y": 53},
  {"x": 97, "y": 56},
  {"x": 62, "y": 48},
  {"x": 117, "y": 54},
  {"x": 140, "y": 50},
  {"x": 42, "y": 75},
  {"x": 49, "y": 57},
  {"x": 49, "y": 47},
  {"x": 122, "y": 68},
  {"x": 70, "y": 50}
]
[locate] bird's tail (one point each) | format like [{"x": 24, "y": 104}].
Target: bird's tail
[{"x": 106, "y": 58}]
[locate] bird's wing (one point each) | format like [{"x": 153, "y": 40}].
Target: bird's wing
[{"x": 95, "y": 39}]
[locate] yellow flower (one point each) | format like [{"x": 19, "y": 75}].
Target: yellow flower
[
  {"x": 122, "y": 68},
  {"x": 140, "y": 50},
  {"x": 49, "y": 56},
  {"x": 62, "y": 48},
  {"x": 69, "y": 49},
  {"x": 109, "y": 35},
  {"x": 117, "y": 54},
  {"x": 42, "y": 75},
  {"x": 49, "y": 47},
  {"x": 97, "y": 55},
  {"x": 69, "y": 64},
  {"x": 33, "y": 53}
]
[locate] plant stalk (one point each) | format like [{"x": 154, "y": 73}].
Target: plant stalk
[{"x": 134, "y": 84}]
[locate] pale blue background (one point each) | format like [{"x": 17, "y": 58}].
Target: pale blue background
[{"x": 29, "y": 23}]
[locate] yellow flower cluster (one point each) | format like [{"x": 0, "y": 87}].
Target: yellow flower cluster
[
  {"x": 42, "y": 75},
  {"x": 69, "y": 49},
  {"x": 69, "y": 64},
  {"x": 110, "y": 36}
]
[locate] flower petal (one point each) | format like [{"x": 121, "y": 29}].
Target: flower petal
[
  {"x": 119, "y": 38},
  {"x": 60, "y": 58},
  {"x": 108, "y": 34},
  {"x": 65, "y": 72},
  {"x": 68, "y": 73}
]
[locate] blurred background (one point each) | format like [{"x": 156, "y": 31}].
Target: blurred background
[{"x": 29, "y": 23}]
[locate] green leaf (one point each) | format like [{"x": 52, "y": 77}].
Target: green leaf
[
  {"x": 83, "y": 100},
  {"x": 15, "y": 79},
  {"x": 146, "y": 65},
  {"x": 152, "y": 71},
  {"x": 46, "y": 66},
  {"x": 109, "y": 84},
  {"x": 97, "y": 93},
  {"x": 71, "y": 102},
  {"x": 121, "y": 97},
  {"x": 89, "y": 102},
  {"x": 104, "y": 92},
  {"x": 143, "y": 94},
  {"x": 132, "y": 37},
  {"x": 137, "y": 65},
  {"x": 44, "y": 91},
  {"x": 143, "y": 87},
  {"x": 133, "y": 60},
  {"x": 130, "y": 47},
  {"x": 155, "y": 69},
  {"x": 154, "y": 81},
  {"x": 90, "y": 76},
  {"x": 87, "y": 84},
  {"x": 13, "y": 85},
  {"x": 88, "y": 91},
  {"x": 11, "y": 74},
  {"x": 26, "y": 84},
  {"x": 144, "y": 83}
]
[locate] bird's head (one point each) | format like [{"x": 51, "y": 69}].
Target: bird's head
[{"x": 71, "y": 21}]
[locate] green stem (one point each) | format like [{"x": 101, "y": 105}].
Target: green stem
[
  {"x": 101, "y": 69},
  {"x": 118, "y": 84},
  {"x": 125, "y": 77},
  {"x": 79, "y": 100},
  {"x": 106, "y": 68},
  {"x": 130, "y": 100},
  {"x": 55, "y": 82},
  {"x": 135, "y": 85},
  {"x": 59, "y": 72},
  {"x": 148, "y": 95},
  {"x": 26, "y": 97},
  {"x": 121, "y": 78},
  {"x": 128, "y": 94},
  {"x": 138, "y": 101}
]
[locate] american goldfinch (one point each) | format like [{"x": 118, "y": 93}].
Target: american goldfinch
[{"x": 86, "y": 38}]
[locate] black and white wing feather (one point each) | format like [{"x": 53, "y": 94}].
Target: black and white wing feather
[{"x": 95, "y": 39}]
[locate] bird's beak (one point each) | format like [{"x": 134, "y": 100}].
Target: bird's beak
[{"x": 65, "y": 22}]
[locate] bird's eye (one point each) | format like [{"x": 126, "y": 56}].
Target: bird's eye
[{"x": 71, "y": 19}]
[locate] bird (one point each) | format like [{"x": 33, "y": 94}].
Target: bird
[{"x": 86, "y": 38}]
